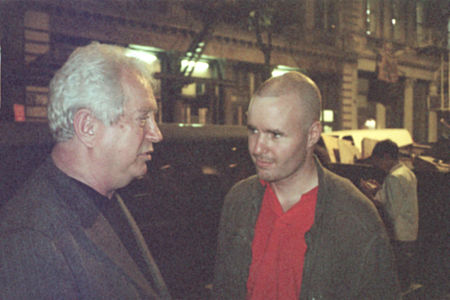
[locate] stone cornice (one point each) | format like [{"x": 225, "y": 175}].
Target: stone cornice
[{"x": 410, "y": 62}]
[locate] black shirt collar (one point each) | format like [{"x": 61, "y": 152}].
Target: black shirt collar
[{"x": 85, "y": 202}]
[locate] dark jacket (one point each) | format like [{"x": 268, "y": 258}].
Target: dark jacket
[
  {"x": 348, "y": 255},
  {"x": 55, "y": 244}
]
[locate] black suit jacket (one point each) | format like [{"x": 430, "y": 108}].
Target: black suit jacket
[{"x": 56, "y": 244}]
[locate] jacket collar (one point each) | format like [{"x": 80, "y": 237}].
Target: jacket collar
[
  {"x": 323, "y": 193},
  {"x": 396, "y": 166},
  {"x": 72, "y": 195},
  {"x": 97, "y": 235},
  {"x": 258, "y": 190}
]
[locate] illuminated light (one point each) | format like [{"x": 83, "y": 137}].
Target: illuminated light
[
  {"x": 141, "y": 55},
  {"x": 233, "y": 149},
  {"x": 394, "y": 21},
  {"x": 196, "y": 125},
  {"x": 232, "y": 166},
  {"x": 208, "y": 170},
  {"x": 201, "y": 44},
  {"x": 280, "y": 70},
  {"x": 328, "y": 115},
  {"x": 19, "y": 112},
  {"x": 143, "y": 48},
  {"x": 327, "y": 128},
  {"x": 276, "y": 73},
  {"x": 199, "y": 66},
  {"x": 370, "y": 124},
  {"x": 368, "y": 12}
]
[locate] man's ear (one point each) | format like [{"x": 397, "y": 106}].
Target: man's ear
[
  {"x": 85, "y": 126},
  {"x": 314, "y": 132}
]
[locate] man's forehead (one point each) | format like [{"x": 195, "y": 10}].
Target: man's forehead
[
  {"x": 140, "y": 100},
  {"x": 290, "y": 100},
  {"x": 142, "y": 106},
  {"x": 258, "y": 99},
  {"x": 275, "y": 113}
]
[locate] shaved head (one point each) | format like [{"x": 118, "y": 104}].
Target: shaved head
[{"x": 297, "y": 87}]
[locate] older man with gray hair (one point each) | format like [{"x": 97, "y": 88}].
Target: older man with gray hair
[{"x": 67, "y": 234}]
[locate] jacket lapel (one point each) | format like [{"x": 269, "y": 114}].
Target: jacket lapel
[
  {"x": 103, "y": 236},
  {"x": 158, "y": 281},
  {"x": 93, "y": 232}
]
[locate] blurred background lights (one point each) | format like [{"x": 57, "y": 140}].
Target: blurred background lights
[
  {"x": 199, "y": 66},
  {"x": 328, "y": 115},
  {"x": 280, "y": 70},
  {"x": 370, "y": 124},
  {"x": 142, "y": 55}
]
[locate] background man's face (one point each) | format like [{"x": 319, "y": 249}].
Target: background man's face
[
  {"x": 277, "y": 141},
  {"x": 385, "y": 162}
]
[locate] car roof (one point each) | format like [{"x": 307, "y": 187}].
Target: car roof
[
  {"x": 400, "y": 136},
  {"x": 38, "y": 133},
  {"x": 365, "y": 139}
]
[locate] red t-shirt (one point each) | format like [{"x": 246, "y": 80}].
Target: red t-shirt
[{"x": 279, "y": 247}]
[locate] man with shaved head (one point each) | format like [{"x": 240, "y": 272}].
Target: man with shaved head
[{"x": 296, "y": 230}]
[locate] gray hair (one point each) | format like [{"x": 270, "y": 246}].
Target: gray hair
[{"x": 91, "y": 78}]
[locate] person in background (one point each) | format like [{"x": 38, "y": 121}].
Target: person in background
[
  {"x": 67, "y": 234},
  {"x": 296, "y": 230},
  {"x": 397, "y": 198}
]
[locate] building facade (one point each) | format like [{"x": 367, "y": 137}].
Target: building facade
[{"x": 378, "y": 63}]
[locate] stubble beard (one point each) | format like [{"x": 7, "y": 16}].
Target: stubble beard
[
  {"x": 276, "y": 174},
  {"x": 265, "y": 174}
]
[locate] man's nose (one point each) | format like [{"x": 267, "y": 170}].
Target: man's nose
[
  {"x": 153, "y": 133},
  {"x": 259, "y": 145}
]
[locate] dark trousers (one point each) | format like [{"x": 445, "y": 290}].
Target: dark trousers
[{"x": 406, "y": 261}]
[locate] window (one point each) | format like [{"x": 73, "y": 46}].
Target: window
[
  {"x": 420, "y": 21},
  {"x": 397, "y": 20},
  {"x": 448, "y": 34},
  {"x": 371, "y": 14},
  {"x": 366, "y": 109},
  {"x": 326, "y": 17}
]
